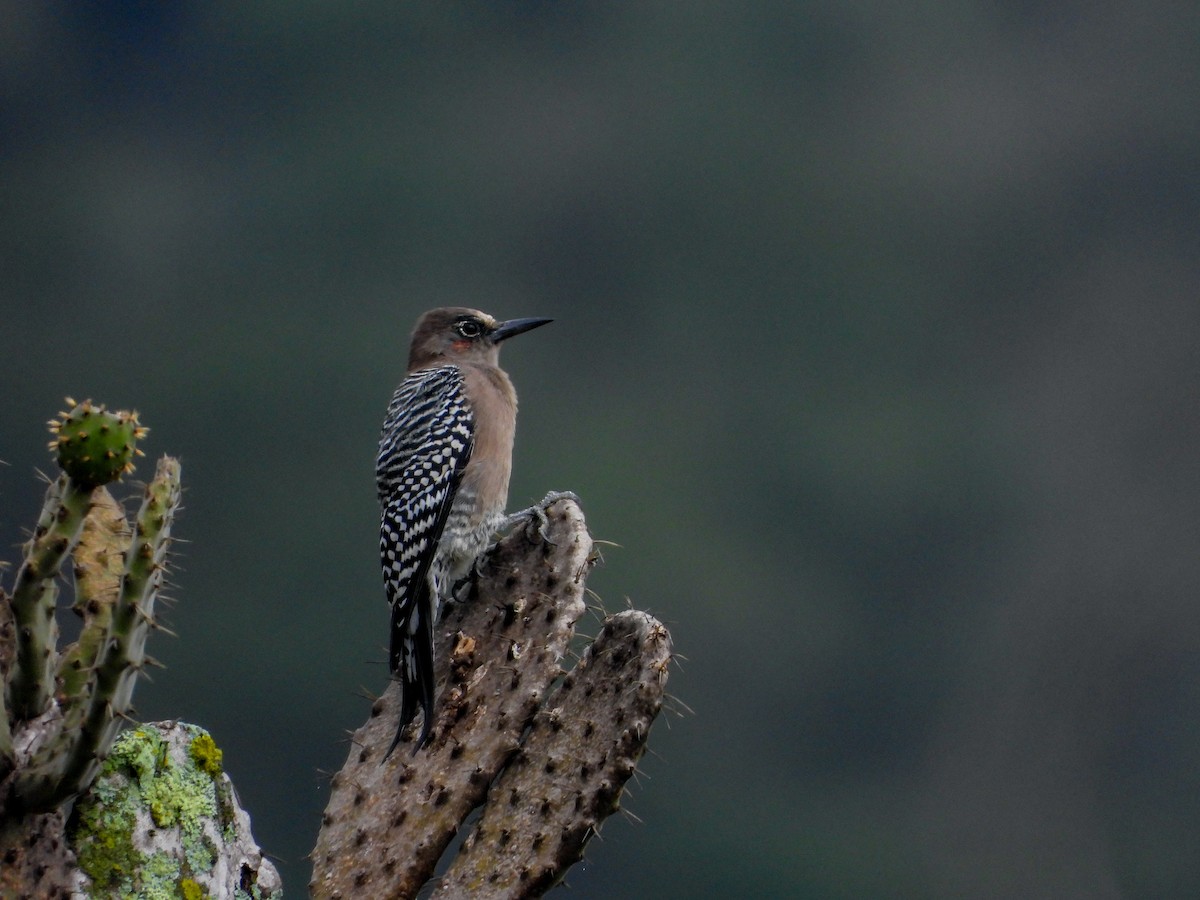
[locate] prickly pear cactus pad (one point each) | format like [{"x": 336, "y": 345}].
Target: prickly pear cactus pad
[
  {"x": 545, "y": 753},
  {"x": 95, "y": 446}
]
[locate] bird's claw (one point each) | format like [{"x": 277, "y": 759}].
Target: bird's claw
[
  {"x": 537, "y": 513},
  {"x": 461, "y": 592}
]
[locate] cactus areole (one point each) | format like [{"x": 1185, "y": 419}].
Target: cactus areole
[{"x": 95, "y": 446}]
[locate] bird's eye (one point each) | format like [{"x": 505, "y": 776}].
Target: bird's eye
[{"x": 469, "y": 328}]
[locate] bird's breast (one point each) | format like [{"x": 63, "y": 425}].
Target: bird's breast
[{"x": 483, "y": 492}]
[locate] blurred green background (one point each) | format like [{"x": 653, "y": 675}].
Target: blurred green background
[{"x": 875, "y": 351}]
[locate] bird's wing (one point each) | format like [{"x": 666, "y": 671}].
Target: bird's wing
[
  {"x": 428, "y": 413},
  {"x": 426, "y": 442},
  {"x": 425, "y": 445}
]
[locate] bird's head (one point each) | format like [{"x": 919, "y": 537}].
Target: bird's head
[{"x": 457, "y": 334}]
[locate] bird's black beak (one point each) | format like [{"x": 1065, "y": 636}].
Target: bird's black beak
[{"x": 513, "y": 327}]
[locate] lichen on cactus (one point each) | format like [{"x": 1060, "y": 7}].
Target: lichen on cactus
[
  {"x": 163, "y": 820},
  {"x": 95, "y": 446}
]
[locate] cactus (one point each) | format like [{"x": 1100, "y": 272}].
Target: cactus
[
  {"x": 36, "y": 593},
  {"x": 124, "y": 653},
  {"x": 546, "y": 753},
  {"x": 59, "y": 715},
  {"x": 66, "y": 763},
  {"x": 93, "y": 447},
  {"x": 99, "y": 564},
  {"x": 569, "y": 773}
]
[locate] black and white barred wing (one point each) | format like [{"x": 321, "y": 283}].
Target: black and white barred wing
[
  {"x": 429, "y": 423},
  {"x": 425, "y": 445}
]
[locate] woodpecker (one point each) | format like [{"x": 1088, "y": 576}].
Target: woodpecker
[{"x": 445, "y": 456}]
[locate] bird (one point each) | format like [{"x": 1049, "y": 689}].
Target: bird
[{"x": 445, "y": 457}]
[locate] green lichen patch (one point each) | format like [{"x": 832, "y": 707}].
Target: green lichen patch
[
  {"x": 207, "y": 754},
  {"x": 103, "y": 840},
  {"x": 148, "y": 776}
]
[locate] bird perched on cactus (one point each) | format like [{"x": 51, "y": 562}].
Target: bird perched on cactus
[{"x": 445, "y": 456}]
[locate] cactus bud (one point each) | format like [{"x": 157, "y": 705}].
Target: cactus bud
[{"x": 95, "y": 446}]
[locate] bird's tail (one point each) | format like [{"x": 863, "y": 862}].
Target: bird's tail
[{"x": 411, "y": 661}]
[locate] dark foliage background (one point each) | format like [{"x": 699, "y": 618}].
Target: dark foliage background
[{"x": 875, "y": 352}]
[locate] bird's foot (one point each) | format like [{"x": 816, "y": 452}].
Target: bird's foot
[
  {"x": 537, "y": 514},
  {"x": 465, "y": 586}
]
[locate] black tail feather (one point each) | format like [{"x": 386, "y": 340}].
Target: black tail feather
[{"x": 411, "y": 662}]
